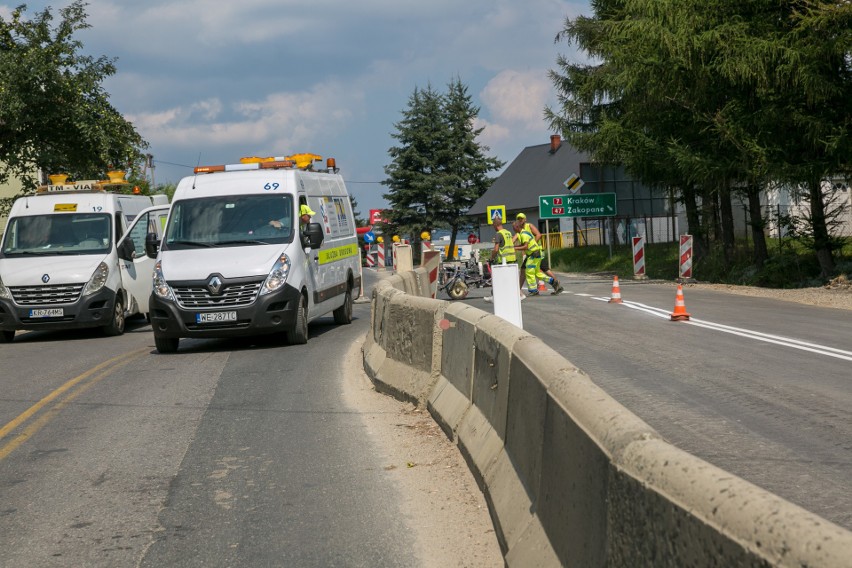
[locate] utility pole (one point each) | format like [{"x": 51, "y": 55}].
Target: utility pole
[{"x": 149, "y": 163}]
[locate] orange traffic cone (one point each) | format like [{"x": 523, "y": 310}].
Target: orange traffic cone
[
  {"x": 679, "y": 313},
  {"x": 616, "y": 291},
  {"x": 541, "y": 286}
]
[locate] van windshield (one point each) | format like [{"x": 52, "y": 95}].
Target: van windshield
[
  {"x": 58, "y": 234},
  {"x": 233, "y": 220}
]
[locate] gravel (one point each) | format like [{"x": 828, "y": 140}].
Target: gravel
[{"x": 835, "y": 294}]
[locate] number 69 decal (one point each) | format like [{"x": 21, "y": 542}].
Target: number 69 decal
[{"x": 273, "y": 186}]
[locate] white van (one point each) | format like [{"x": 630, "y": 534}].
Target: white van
[
  {"x": 235, "y": 261},
  {"x": 64, "y": 265}
]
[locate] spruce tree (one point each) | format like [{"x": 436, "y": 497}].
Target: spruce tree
[
  {"x": 415, "y": 173},
  {"x": 466, "y": 165},
  {"x": 439, "y": 170},
  {"x": 710, "y": 96}
]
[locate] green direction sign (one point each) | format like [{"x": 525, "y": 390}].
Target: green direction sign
[{"x": 586, "y": 205}]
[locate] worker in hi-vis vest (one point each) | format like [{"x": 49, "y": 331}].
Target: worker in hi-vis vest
[
  {"x": 532, "y": 249},
  {"x": 504, "y": 249}
]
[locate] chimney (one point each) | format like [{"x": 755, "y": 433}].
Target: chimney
[{"x": 555, "y": 143}]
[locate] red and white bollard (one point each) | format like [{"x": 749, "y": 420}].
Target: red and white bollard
[
  {"x": 639, "y": 258},
  {"x": 380, "y": 260},
  {"x": 685, "y": 269},
  {"x": 371, "y": 260},
  {"x": 432, "y": 264}
]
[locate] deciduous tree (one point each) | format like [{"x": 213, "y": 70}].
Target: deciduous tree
[{"x": 54, "y": 112}]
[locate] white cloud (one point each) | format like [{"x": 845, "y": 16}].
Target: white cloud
[
  {"x": 513, "y": 103},
  {"x": 277, "y": 122},
  {"x": 517, "y": 98},
  {"x": 259, "y": 77}
]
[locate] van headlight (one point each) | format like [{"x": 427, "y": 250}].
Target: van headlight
[
  {"x": 161, "y": 287},
  {"x": 98, "y": 279},
  {"x": 4, "y": 292},
  {"x": 277, "y": 276}
]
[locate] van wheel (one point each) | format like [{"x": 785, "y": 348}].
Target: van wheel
[
  {"x": 299, "y": 334},
  {"x": 166, "y": 344},
  {"x": 343, "y": 314},
  {"x": 116, "y": 325},
  {"x": 7, "y": 335}
]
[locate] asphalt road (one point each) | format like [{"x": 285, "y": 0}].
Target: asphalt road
[
  {"x": 759, "y": 387},
  {"x": 245, "y": 453},
  {"x": 228, "y": 453}
]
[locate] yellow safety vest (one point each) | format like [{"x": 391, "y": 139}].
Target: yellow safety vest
[
  {"x": 528, "y": 239},
  {"x": 507, "y": 251}
]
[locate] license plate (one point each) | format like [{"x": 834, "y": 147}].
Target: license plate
[
  {"x": 215, "y": 317},
  {"x": 47, "y": 313}
]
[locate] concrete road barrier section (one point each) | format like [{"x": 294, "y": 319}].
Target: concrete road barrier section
[{"x": 572, "y": 478}]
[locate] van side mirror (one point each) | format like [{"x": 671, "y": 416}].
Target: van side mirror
[
  {"x": 152, "y": 245},
  {"x": 313, "y": 236},
  {"x": 126, "y": 250}
]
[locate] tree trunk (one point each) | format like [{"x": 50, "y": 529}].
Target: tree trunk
[
  {"x": 726, "y": 213},
  {"x": 673, "y": 209},
  {"x": 708, "y": 216},
  {"x": 693, "y": 220},
  {"x": 822, "y": 239},
  {"x": 755, "y": 213},
  {"x": 451, "y": 252}
]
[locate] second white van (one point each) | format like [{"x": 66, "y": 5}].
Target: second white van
[{"x": 73, "y": 256}]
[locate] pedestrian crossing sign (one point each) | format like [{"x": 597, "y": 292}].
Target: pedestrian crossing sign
[{"x": 494, "y": 211}]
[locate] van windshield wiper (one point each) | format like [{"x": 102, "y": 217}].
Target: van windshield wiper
[
  {"x": 193, "y": 244},
  {"x": 242, "y": 242}
]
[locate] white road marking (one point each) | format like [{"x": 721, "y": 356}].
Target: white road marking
[{"x": 751, "y": 334}]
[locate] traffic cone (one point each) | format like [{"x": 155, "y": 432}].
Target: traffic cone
[
  {"x": 541, "y": 286},
  {"x": 679, "y": 313},
  {"x": 616, "y": 291}
]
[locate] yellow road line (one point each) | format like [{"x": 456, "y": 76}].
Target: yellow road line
[{"x": 117, "y": 362}]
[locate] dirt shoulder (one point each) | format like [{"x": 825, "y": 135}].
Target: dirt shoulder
[
  {"x": 835, "y": 294},
  {"x": 444, "y": 505}
]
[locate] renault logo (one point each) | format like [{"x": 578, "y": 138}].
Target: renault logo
[
  {"x": 215, "y": 286},
  {"x": 45, "y": 278}
]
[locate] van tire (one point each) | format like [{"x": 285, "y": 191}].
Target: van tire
[
  {"x": 299, "y": 334},
  {"x": 166, "y": 344},
  {"x": 117, "y": 320},
  {"x": 7, "y": 335},
  {"x": 343, "y": 314}
]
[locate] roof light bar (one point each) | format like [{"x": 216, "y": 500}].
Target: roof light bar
[
  {"x": 209, "y": 169},
  {"x": 241, "y": 167},
  {"x": 276, "y": 164},
  {"x": 301, "y": 161}
]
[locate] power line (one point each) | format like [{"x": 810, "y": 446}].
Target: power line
[
  {"x": 185, "y": 166},
  {"x": 173, "y": 164}
]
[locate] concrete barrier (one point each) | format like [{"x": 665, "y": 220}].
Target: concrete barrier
[{"x": 572, "y": 478}]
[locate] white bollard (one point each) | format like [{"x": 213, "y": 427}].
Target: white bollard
[{"x": 507, "y": 295}]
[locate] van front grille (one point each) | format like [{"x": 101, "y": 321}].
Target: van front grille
[
  {"x": 46, "y": 295},
  {"x": 234, "y": 295}
]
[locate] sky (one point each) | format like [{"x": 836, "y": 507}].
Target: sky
[{"x": 207, "y": 82}]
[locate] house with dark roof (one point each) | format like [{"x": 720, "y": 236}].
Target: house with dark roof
[
  {"x": 546, "y": 169},
  {"x": 9, "y": 190}
]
